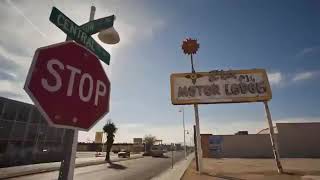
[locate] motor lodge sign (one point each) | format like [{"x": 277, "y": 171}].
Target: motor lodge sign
[{"x": 232, "y": 86}]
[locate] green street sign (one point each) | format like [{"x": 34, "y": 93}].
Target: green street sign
[
  {"x": 97, "y": 25},
  {"x": 77, "y": 34}
]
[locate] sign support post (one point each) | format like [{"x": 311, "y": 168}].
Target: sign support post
[
  {"x": 190, "y": 47},
  {"x": 195, "y": 146},
  {"x": 67, "y": 166},
  {"x": 199, "y": 149},
  {"x": 196, "y": 114},
  {"x": 273, "y": 142}
]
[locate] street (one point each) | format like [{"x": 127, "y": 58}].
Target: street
[
  {"x": 87, "y": 154},
  {"x": 140, "y": 169}
]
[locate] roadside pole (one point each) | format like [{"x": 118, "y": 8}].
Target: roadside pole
[
  {"x": 196, "y": 114},
  {"x": 67, "y": 166},
  {"x": 195, "y": 146},
  {"x": 274, "y": 144},
  {"x": 184, "y": 135},
  {"x": 172, "y": 146},
  {"x": 199, "y": 149},
  {"x": 190, "y": 47}
]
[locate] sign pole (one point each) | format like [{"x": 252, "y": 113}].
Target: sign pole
[
  {"x": 172, "y": 146},
  {"x": 273, "y": 142},
  {"x": 184, "y": 135},
  {"x": 199, "y": 149},
  {"x": 190, "y": 47},
  {"x": 195, "y": 146},
  {"x": 196, "y": 114},
  {"x": 67, "y": 166}
]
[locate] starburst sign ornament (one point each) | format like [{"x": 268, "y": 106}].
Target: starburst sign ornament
[{"x": 190, "y": 47}]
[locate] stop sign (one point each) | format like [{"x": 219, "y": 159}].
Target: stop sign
[{"x": 68, "y": 85}]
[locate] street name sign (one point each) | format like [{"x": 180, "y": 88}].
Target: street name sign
[
  {"x": 98, "y": 25},
  {"x": 68, "y": 85},
  {"x": 232, "y": 86},
  {"x": 78, "y": 34}
]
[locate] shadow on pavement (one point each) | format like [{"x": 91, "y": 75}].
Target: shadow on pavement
[
  {"x": 161, "y": 156},
  {"x": 117, "y": 166},
  {"x": 222, "y": 176}
]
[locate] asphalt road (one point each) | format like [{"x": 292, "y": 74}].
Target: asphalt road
[
  {"x": 137, "y": 169},
  {"x": 86, "y": 154}
]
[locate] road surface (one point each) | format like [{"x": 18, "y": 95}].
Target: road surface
[
  {"x": 137, "y": 169},
  {"x": 86, "y": 154}
]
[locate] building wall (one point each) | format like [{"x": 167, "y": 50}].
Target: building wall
[
  {"x": 205, "y": 145},
  {"x": 295, "y": 140},
  {"x": 238, "y": 146},
  {"x": 25, "y": 136},
  {"x": 299, "y": 139}
]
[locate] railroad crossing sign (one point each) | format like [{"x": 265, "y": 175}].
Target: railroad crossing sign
[
  {"x": 82, "y": 34},
  {"x": 68, "y": 85}
]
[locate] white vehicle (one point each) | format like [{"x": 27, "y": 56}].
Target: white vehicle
[{"x": 157, "y": 151}]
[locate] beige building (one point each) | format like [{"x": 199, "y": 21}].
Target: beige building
[{"x": 294, "y": 140}]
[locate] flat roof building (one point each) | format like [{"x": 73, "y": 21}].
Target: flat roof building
[{"x": 25, "y": 136}]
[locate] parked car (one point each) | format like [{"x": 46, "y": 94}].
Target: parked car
[
  {"x": 116, "y": 151},
  {"x": 124, "y": 154}
]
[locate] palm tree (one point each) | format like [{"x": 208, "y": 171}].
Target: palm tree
[
  {"x": 110, "y": 129},
  {"x": 149, "y": 140}
]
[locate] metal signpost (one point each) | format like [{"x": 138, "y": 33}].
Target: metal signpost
[
  {"x": 234, "y": 86},
  {"x": 274, "y": 144},
  {"x": 71, "y": 74},
  {"x": 190, "y": 47}
]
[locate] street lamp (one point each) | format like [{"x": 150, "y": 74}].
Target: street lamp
[
  {"x": 109, "y": 36},
  {"x": 184, "y": 133}
]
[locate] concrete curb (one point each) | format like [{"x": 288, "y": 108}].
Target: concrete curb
[
  {"x": 178, "y": 170},
  {"x": 55, "y": 168}
]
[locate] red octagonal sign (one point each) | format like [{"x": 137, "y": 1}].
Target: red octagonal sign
[{"x": 68, "y": 85}]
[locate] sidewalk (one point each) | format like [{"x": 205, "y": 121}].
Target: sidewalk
[
  {"x": 16, "y": 171},
  {"x": 254, "y": 169},
  {"x": 177, "y": 171}
]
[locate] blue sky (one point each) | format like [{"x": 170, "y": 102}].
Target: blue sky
[{"x": 282, "y": 37}]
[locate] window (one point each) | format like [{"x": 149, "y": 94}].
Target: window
[
  {"x": 35, "y": 116},
  {"x": 32, "y": 132},
  {"x": 2, "y": 102},
  {"x": 3, "y": 147},
  {"x": 18, "y": 131},
  {"x": 5, "y": 129},
  {"x": 10, "y": 111},
  {"x": 23, "y": 113},
  {"x": 42, "y": 133}
]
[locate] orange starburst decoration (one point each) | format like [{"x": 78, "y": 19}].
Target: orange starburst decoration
[{"x": 190, "y": 46}]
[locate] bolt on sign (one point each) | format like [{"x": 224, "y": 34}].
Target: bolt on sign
[{"x": 234, "y": 86}]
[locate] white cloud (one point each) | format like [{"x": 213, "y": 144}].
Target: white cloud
[
  {"x": 23, "y": 30},
  {"x": 308, "y": 51},
  {"x": 275, "y": 78},
  {"x": 304, "y": 76},
  {"x": 297, "y": 120}
]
